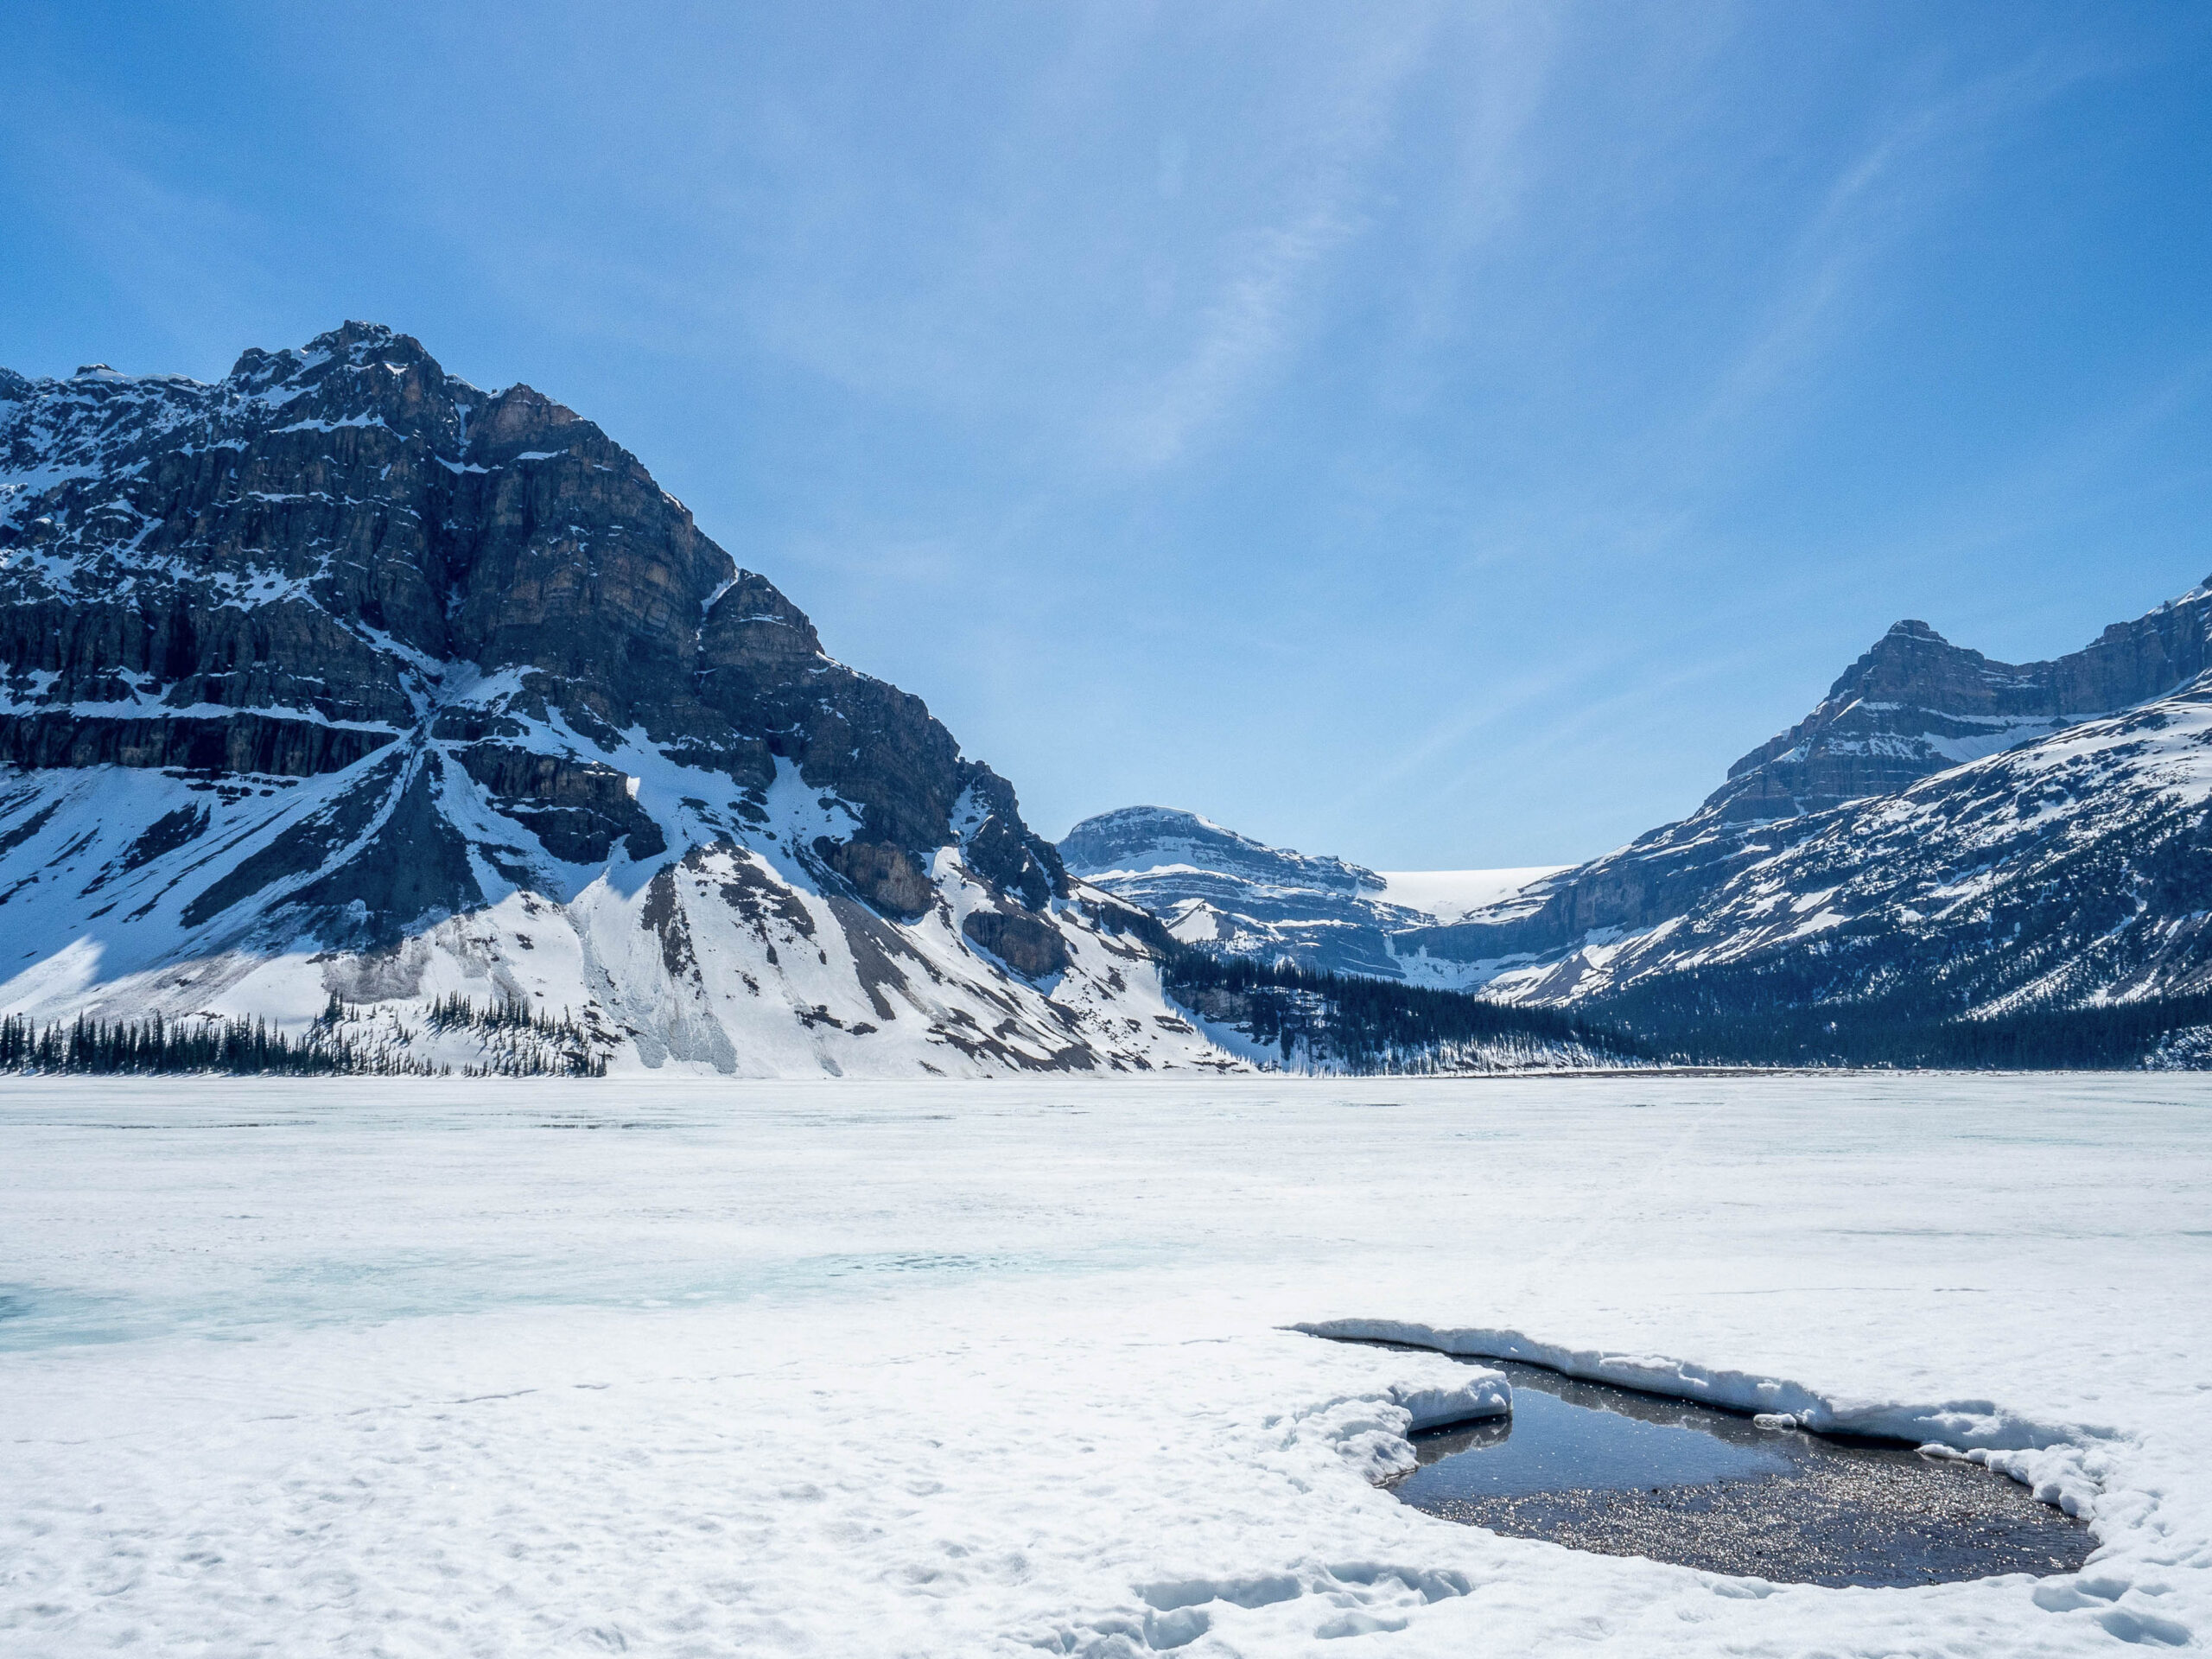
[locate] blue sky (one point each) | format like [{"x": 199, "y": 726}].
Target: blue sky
[{"x": 1440, "y": 436}]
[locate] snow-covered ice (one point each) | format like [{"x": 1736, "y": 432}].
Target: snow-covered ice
[
  {"x": 691, "y": 1367},
  {"x": 1451, "y": 895}
]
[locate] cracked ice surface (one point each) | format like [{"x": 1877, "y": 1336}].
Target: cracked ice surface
[{"x": 855, "y": 1369}]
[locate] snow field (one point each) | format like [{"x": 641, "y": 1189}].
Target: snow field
[
  {"x": 699, "y": 1368},
  {"x": 751, "y": 970},
  {"x": 1451, "y": 895}
]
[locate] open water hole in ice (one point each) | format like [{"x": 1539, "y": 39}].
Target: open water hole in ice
[{"x": 1623, "y": 1473}]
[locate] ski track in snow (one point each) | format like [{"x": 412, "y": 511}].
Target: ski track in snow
[{"x": 691, "y": 1367}]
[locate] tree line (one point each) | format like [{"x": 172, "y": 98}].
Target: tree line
[
  {"x": 1686, "y": 1020},
  {"x": 153, "y": 1046},
  {"x": 520, "y": 1044},
  {"x": 1727, "y": 1019},
  {"x": 1371, "y": 1025},
  {"x": 1362, "y": 1025}
]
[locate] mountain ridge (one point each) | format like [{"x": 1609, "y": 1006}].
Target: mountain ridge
[
  {"x": 1912, "y": 707},
  {"x": 306, "y": 668},
  {"x": 1225, "y": 894},
  {"x": 417, "y": 725},
  {"x": 1943, "y": 837}
]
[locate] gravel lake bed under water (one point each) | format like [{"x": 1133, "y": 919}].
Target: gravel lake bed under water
[{"x": 1622, "y": 1472}]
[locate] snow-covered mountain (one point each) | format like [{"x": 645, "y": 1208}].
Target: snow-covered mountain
[
  {"x": 340, "y": 678},
  {"x": 343, "y": 694},
  {"x": 2075, "y": 868},
  {"x": 1230, "y": 895},
  {"x": 1943, "y": 834},
  {"x": 1148, "y": 840},
  {"x": 1915, "y": 704}
]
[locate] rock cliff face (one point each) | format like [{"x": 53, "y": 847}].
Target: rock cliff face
[
  {"x": 1916, "y": 720},
  {"x": 1943, "y": 836},
  {"x": 1915, "y": 704},
  {"x": 1229, "y": 895},
  {"x": 343, "y": 676}
]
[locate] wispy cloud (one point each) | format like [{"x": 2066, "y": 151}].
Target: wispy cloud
[
  {"x": 1264, "y": 306},
  {"x": 1917, "y": 158},
  {"x": 1487, "y": 413},
  {"x": 1246, "y": 328}
]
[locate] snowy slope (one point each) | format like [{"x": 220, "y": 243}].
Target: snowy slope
[
  {"x": 1147, "y": 839},
  {"x": 340, "y": 678},
  {"x": 729, "y": 954},
  {"x": 1451, "y": 895},
  {"x": 1943, "y": 835},
  {"x": 1228, "y": 894},
  {"x": 2073, "y": 870}
]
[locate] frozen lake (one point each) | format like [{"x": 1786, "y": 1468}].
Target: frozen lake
[{"x": 410, "y": 1368}]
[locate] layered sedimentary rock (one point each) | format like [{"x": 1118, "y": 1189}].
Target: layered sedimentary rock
[
  {"x": 1917, "y": 731},
  {"x": 1943, "y": 834},
  {"x": 1915, "y": 704},
  {"x": 341, "y": 676},
  {"x": 2071, "y": 870},
  {"x": 1226, "y": 893}
]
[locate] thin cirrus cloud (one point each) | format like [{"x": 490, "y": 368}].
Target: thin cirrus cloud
[
  {"x": 1917, "y": 162},
  {"x": 1251, "y": 319},
  {"x": 1448, "y": 435}
]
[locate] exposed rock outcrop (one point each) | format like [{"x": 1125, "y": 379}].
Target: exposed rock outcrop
[
  {"x": 1914, "y": 707},
  {"x": 1023, "y": 942},
  {"x": 343, "y": 659},
  {"x": 1943, "y": 836}
]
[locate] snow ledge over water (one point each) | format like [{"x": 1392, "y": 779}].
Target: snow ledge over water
[{"x": 2059, "y": 1465}]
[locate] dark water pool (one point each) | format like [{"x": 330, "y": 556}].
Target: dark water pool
[{"x": 1624, "y": 1473}]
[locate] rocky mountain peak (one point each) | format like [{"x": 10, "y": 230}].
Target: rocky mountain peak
[
  {"x": 1134, "y": 839},
  {"x": 480, "y": 647},
  {"x": 522, "y": 415},
  {"x": 1915, "y": 703}
]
